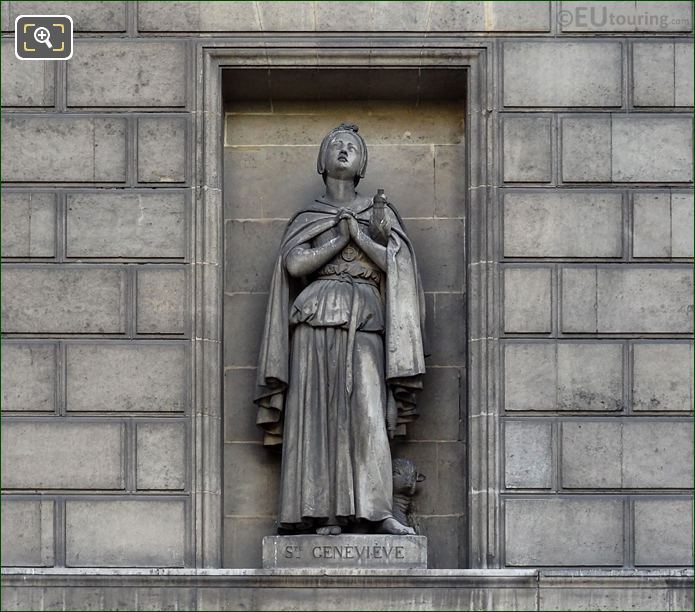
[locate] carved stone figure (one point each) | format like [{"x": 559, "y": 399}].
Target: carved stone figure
[
  {"x": 342, "y": 352},
  {"x": 405, "y": 479}
]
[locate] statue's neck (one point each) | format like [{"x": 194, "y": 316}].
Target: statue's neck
[{"x": 340, "y": 191}]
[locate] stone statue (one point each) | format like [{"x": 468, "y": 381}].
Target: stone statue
[
  {"x": 342, "y": 353},
  {"x": 405, "y": 479}
]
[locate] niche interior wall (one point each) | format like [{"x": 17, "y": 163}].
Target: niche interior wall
[{"x": 413, "y": 123}]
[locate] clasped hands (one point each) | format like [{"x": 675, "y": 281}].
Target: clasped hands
[{"x": 348, "y": 226}]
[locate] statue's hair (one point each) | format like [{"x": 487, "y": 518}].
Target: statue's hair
[{"x": 349, "y": 128}]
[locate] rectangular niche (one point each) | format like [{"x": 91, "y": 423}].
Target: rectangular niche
[{"x": 413, "y": 122}]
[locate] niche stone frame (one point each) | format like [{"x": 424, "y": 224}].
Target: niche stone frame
[{"x": 472, "y": 58}]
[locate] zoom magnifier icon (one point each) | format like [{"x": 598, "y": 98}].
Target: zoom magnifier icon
[{"x": 43, "y": 37}]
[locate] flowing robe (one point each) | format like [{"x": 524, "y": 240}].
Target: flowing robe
[{"x": 340, "y": 360}]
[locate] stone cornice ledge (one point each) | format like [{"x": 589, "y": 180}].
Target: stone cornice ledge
[
  {"x": 509, "y": 578},
  {"x": 309, "y": 589},
  {"x": 356, "y": 578},
  {"x": 615, "y": 579}
]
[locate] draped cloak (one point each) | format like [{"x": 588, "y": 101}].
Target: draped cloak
[{"x": 403, "y": 353}]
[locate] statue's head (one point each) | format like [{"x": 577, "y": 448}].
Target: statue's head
[{"x": 343, "y": 154}]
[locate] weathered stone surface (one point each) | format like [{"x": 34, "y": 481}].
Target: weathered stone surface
[
  {"x": 653, "y": 68},
  {"x": 63, "y": 300},
  {"x": 564, "y": 532},
  {"x": 325, "y": 16},
  {"x": 591, "y": 455},
  {"x": 239, "y": 421},
  {"x": 530, "y": 376},
  {"x": 627, "y": 454},
  {"x": 662, "y": 377},
  {"x": 586, "y": 149},
  {"x": 251, "y": 250},
  {"x": 408, "y": 176},
  {"x": 439, "y": 245},
  {"x": 62, "y": 455},
  {"x": 627, "y": 300},
  {"x": 611, "y": 590},
  {"x": 151, "y": 533},
  {"x": 28, "y": 224},
  {"x": 684, "y": 74},
  {"x": 110, "y": 73},
  {"x": 156, "y": 376},
  {"x": 243, "y": 539},
  {"x": 144, "y": 225},
  {"x": 257, "y": 177},
  {"x": 376, "y": 551},
  {"x": 28, "y": 377},
  {"x": 449, "y": 180},
  {"x": 496, "y": 17},
  {"x": 562, "y": 74},
  {"x": 651, "y": 148},
  {"x": 281, "y": 17},
  {"x": 197, "y": 17},
  {"x": 655, "y": 17},
  {"x": 681, "y": 224},
  {"x": 527, "y": 144},
  {"x": 386, "y": 122},
  {"x": 26, "y": 83},
  {"x": 578, "y": 305},
  {"x": 664, "y": 532},
  {"x": 589, "y": 376},
  {"x": 162, "y": 149},
  {"x": 27, "y": 533},
  {"x": 567, "y": 376},
  {"x": 254, "y": 480},
  {"x": 562, "y": 224},
  {"x": 446, "y": 538},
  {"x": 161, "y": 301},
  {"x": 244, "y": 315},
  {"x": 447, "y": 328},
  {"x": 63, "y": 149},
  {"x": 527, "y": 299},
  {"x": 161, "y": 455},
  {"x": 651, "y": 235},
  {"x": 644, "y": 300},
  {"x": 527, "y": 455},
  {"x": 442, "y": 396},
  {"x": 92, "y": 16},
  {"x": 658, "y": 455}
]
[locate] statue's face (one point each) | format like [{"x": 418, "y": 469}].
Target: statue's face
[{"x": 343, "y": 156}]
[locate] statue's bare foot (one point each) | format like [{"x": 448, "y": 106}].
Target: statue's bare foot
[
  {"x": 328, "y": 530},
  {"x": 392, "y": 526}
]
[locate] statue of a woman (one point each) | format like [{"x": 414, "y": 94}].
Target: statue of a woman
[{"x": 342, "y": 352}]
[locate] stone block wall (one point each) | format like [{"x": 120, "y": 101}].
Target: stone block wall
[
  {"x": 96, "y": 298},
  {"x": 590, "y": 128},
  {"x": 596, "y": 214}
]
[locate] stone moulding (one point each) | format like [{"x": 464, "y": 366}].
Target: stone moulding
[
  {"x": 472, "y": 57},
  {"x": 215, "y": 589}
]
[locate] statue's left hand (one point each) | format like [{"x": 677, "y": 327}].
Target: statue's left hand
[{"x": 353, "y": 224}]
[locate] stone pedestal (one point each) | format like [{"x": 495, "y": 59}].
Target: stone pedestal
[{"x": 379, "y": 551}]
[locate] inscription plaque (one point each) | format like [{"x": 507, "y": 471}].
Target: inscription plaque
[{"x": 372, "y": 551}]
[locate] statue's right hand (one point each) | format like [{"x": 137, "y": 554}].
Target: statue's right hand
[{"x": 344, "y": 230}]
